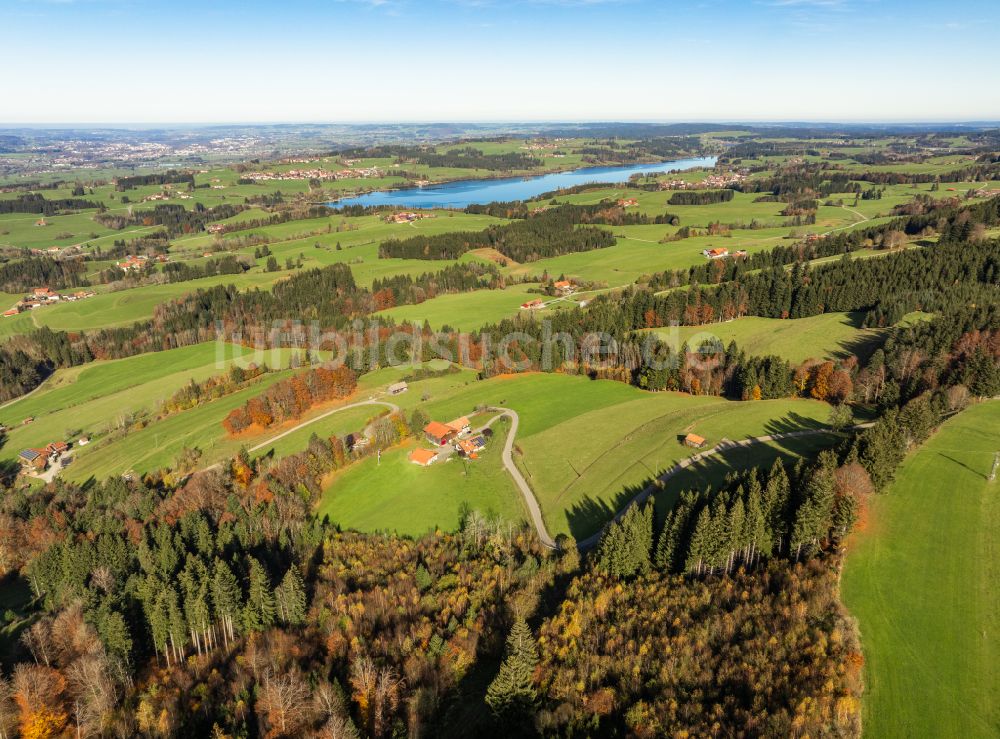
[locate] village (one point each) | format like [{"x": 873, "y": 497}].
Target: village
[
  {"x": 712, "y": 182},
  {"x": 315, "y": 174},
  {"x": 43, "y": 296}
]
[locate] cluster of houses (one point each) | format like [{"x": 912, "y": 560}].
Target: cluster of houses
[
  {"x": 315, "y": 174},
  {"x": 722, "y": 253},
  {"x": 561, "y": 287},
  {"x": 407, "y": 217},
  {"x": 447, "y": 437},
  {"x": 56, "y": 251},
  {"x": 38, "y": 460},
  {"x": 166, "y": 196},
  {"x": 712, "y": 182},
  {"x": 138, "y": 262},
  {"x": 42, "y": 296},
  {"x": 564, "y": 287}
]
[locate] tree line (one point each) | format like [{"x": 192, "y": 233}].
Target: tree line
[{"x": 549, "y": 233}]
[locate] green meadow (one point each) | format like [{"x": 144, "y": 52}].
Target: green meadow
[
  {"x": 817, "y": 337},
  {"x": 581, "y": 476},
  {"x": 921, "y": 579},
  {"x": 464, "y": 311},
  {"x": 393, "y": 494},
  {"x": 96, "y": 396}
]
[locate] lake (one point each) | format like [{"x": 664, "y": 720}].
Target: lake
[{"x": 477, "y": 192}]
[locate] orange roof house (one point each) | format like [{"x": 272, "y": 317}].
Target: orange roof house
[
  {"x": 438, "y": 433},
  {"x": 716, "y": 253},
  {"x": 423, "y": 457},
  {"x": 460, "y": 425},
  {"x": 693, "y": 440}
]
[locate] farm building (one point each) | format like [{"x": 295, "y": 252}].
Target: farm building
[
  {"x": 423, "y": 457},
  {"x": 397, "y": 387},
  {"x": 628, "y": 202},
  {"x": 56, "y": 448},
  {"x": 563, "y": 287},
  {"x": 438, "y": 433},
  {"x": 694, "y": 441},
  {"x": 460, "y": 425},
  {"x": 36, "y": 459},
  {"x": 717, "y": 253},
  {"x": 356, "y": 440},
  {"x": 471, "y": 447},
  {"x": 532, "y": 304}
]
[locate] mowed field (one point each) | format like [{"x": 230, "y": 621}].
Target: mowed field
[
  {"x": 159, "y": 443},
  {"x": 583, "y": 445},
  {"x": 816, "y": 337},
  {"x": 921, "y": 578},
  {"x": 393, "y": 494}
]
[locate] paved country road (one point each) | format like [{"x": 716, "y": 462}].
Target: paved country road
[
  {"x": 391, "y": 406},
  {"x": 535, "y": 511}
]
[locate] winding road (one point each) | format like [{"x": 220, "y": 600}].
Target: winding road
[
  {"x": 371, "y": 401},
  {"x": 535, "y": 511}
]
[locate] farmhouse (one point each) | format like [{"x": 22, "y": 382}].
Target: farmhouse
[
  {"x": 564, "y": 287},
  {"x": 407, "y": 217},
  {"x": 36, "y": 459},
  {"x": 397, "y": 387},
  {"x": 12, "y": 311},
  {"x": 471, "y": 447},
  {"x": 55, "y": 448},
  {"x": 423, "y": 457},
  {"x": 438, "y": 433},
  {"x": 460, "y": 426},
  {"x": 694, "y": 441},
  {"x": 216, "y": 228},
  {"x": 628, "y": 202},
  {"x": 532, "y": 304},
  {"x": 132, "y": 263},
  {"x": 717, "y": 253}
]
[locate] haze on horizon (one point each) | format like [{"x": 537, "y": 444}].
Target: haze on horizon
[{"x": 138, "y": 61}]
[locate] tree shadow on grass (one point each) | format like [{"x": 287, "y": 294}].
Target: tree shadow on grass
[
  {"x": 976, "y": 472},
  {"x": 791, "y": 423},
  {"x": 712, "y": 472}
]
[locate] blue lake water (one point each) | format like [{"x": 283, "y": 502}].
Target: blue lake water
[{"x": 476, "y": 192}]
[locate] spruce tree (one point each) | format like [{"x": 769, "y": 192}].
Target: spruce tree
[
  {"x": 291, "y": 597},
  {"x": 511, "y": 695},
  {"x": 258, "y": 613},
  {"x": 226, "y": 598}
]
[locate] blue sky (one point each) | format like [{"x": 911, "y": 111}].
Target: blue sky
[{"x": 416, "y": 60}]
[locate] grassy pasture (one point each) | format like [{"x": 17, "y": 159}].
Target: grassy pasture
[
  {"x": 921, "y": 578},
  {"x": 580, "y": 484},
  {"x": 464, "y": 311},
  {"x": 579, "y": 475},
  {"x": 396, "y": 495},
  {"x": 817, "y": 337},
  {"x": 159, "y": 444},
  {"x": 90, "y": 398}
]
